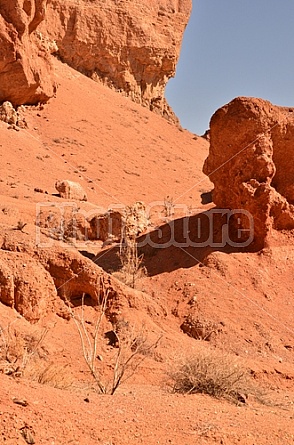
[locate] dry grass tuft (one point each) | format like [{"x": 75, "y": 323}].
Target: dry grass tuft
[
  {"x": 210, "y": 372},
  {"x": 18, "y": 349},
  {"x": 50, "y": 374},
  {"x": 23, "y": 355}
]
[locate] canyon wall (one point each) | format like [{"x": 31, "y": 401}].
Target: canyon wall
[
  {"x": 131, "y": 46},
  {"x": 25, "y": 69}
]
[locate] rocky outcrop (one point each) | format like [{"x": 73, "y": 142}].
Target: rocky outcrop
[
  {"x": 251, "y": 163},
  {"x": 8, "y": 114},
  {"x": 11, "y": 116},
  {"x": 74, "y": 224},
  {"x": 105, "y": 227},
  {"x": 111, "y": 225},
  {"x": 73, "y": 275},
  {"x": 132, "y": 46},
  {"x": 26, "y": 286},
  {"x": 24, "y": 63},
  {"x": 39, "y": 280}
]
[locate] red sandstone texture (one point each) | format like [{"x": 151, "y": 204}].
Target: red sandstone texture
[
  {"x": 196, "y": 299},
  {"x": 241, "y": 302},
  {"x": 251, "y": 164},
  {"x": 131, "y": 46},
  {"x": 25, "y": 69}
]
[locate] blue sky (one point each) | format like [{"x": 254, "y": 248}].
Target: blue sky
[{"x": 233, "y": 48}]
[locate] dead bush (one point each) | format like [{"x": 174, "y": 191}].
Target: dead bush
[
  {"x": 20, "y": 225},
  {"x": 130, "y": 347},
  {"x": 23, "y": 355},
  {"x": 210, "y": 372},
  {"x": 50, "y": 374},
  {"x": 18, "y": 349},
  {"x": 133, "y": 348},
  {"x": 169, "y": 207},
  {"x": 131, "y": 262}
]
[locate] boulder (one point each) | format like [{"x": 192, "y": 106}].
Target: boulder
[
  {"x": 11, "y": 116},
  {"x": 110, "y": 225},
  {"x": 8, "y": 114},
  {"x": 105, "y": 227},
  {"x": 71, "y": 190}
]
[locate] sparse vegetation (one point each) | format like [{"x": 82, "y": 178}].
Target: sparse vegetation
[
  {"x": 17, "y": 350},
  {"x": 64, "y": 227},
  {"x": 216, "y": 374},
  {"x": 131, "y": 262},
  {"x": 130, "y": 348},
  {"x": 23, "y": 355},
  {"x": 20, "y": 225},
  {"x": 169, "y": 206},
  {"x": 51, "y": 374}
]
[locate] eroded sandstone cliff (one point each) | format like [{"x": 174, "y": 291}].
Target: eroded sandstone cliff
[
  {"x": 25, "y": 70},
  {"x": 132, "y": 46},
  {"x": 251, "y": 163}
]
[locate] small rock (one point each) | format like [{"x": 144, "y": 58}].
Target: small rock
[
  {"x": 21, "y": 402},
  {"x": 27, "y": 434},
  {"x": 242, "y": 397}
]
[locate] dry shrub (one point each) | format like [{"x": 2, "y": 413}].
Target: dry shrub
[
  {"x": 130, "y": 347},
  {"x": 133, "y": 348},
  {"x": 23, "y": 355},
  {"x": 18, "y": 349},
  {"x": 20, "y": 225},
  {"x": 210, "y": 372},
  {"x": 50, "y": 374},
  {"x": 131, "y": 273},
  {"x": 131, "y": 262},
  {"x": 169, "y": 207}
]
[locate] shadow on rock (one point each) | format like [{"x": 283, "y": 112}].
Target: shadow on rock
[{"x": 185, "y": 242}]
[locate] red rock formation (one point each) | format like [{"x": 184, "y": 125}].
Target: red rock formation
[
  {"x": 132, "y": 46},
  {"x": 251, "y": 163},
  {"x": 24, "y": 64},
  {"x": 36, "y": 280},
  {"x": 26, "y": 286}
]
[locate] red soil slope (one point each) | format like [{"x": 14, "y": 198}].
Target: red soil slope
[{"x": 121, "y": 153}]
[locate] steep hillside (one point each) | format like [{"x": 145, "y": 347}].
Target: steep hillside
[
  {"x": 242, "y": 302},
  {"x": 116, "y": 266}
]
